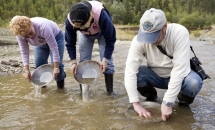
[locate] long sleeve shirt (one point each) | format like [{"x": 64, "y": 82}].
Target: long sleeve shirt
[
  {"x": 177, "y": 44},
  {"x": 107, "y": 30},
  {"x": 45, "y": 30}
]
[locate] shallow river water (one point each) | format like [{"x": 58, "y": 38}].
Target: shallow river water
[{"x": 24, "y": 108}]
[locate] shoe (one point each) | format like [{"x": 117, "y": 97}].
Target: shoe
[
  {"x": 80, "y": 88},
  {"x": 43, "y": 86},
  {"x": 183, "y": 103},
  {"x": 109, "y": 82},
  {"x": 185, "y": 100},
  {"x": 60, "y": 84},
  {"x": 151, "y": 98},
  {"x": 149, "y": 92}
]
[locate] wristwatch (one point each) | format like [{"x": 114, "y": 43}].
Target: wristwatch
[{"x": 169, "y": 104}]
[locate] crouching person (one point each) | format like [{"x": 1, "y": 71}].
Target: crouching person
[{"x": 160, "y": 71}]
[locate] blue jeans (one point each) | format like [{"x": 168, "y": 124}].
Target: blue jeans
[
  {"x": 41, "y": 55},
  {"x": 191, "y": 84},
  {"x": 86, "y": 48}
]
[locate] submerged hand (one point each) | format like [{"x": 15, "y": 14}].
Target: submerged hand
[
  {"x": 141, "y": 111},
  {"x": 166, "y": 111}
]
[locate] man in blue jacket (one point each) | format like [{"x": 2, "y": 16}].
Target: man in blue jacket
[{"x": 91, "y": 21}]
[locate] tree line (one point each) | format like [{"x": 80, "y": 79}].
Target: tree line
[{"x": 190, "y": 13}]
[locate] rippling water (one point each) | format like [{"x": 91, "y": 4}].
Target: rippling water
[
  {"x": 23, "y": 107},
  {"x": 49, "y": 108}
]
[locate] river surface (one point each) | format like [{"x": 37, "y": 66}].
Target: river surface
[{"x": 23, "y": 107}]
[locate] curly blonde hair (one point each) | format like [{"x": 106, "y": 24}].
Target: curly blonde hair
[{"x": 20, "y": 25}]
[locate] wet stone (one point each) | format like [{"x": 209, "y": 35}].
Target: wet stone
[{"x": 10, "y": 67}]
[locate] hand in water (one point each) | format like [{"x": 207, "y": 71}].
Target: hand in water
[
  {"x": 166, "y": 111},
  {"x": 141, "y": 111}
]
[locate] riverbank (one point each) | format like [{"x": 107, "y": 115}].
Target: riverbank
[
  {"x": 124, "y": 33},
  {"x": 204, "y": 35}
]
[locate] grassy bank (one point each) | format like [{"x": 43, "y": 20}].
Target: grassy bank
[{"x": 126, "y": 32}]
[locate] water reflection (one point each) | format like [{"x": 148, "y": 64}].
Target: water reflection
[{"x": 64, "y": 109}]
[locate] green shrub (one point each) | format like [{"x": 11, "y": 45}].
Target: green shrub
[
  {"x": 4, "y": 23},
  {"x": 195, "y": 21}
]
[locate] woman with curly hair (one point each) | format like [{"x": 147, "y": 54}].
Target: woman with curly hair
[{"x": 47, "y": 39}]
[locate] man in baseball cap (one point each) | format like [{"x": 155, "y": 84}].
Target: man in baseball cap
[
  {"x": 151, "y": 23},
  {"x": 169, "y": 71}
]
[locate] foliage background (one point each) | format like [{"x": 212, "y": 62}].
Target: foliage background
[{"x": 194, "y": 14}]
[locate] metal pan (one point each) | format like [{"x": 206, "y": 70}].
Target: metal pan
[
  {"x": 88, "y": 72},
  {"x": 43, "y": 75}
]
